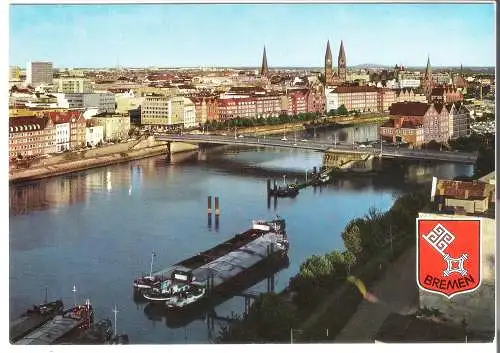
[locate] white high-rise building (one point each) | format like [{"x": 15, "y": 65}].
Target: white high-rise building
[{"x": 39, "y": 72}]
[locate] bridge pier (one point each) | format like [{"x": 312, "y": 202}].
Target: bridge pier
[{"x": 169, "y": 152}]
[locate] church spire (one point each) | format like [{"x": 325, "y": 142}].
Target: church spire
[
  {"x": 342, "y": 64},
  {"x": 328, "y": 53},
  {"x": 341, "y": 51},
  {"x": 428, "y": 69},
  {"x": 264, "y": 70}
]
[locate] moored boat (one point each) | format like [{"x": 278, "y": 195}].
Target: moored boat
[
  {"x": 147, "y": 282},
  {"x": 193, "y": 279},
  {"x": 72, "y": 321}
]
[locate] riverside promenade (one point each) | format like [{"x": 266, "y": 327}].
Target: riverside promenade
[{"x": 97, "y": 157}]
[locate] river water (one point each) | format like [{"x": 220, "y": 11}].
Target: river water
[{"x": 96, "y": 229}]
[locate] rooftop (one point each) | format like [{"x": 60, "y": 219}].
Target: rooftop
[{"x": 409, "y": 108}]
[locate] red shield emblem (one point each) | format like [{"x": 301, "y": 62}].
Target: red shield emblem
[{"x": 449, "y": 255}]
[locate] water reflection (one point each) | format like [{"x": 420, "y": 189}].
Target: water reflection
[{"x": 51, "y": 193}]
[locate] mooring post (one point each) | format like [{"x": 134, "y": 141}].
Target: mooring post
[
  {"x": 314, "y": 171},
  {"x": 275, "y": 186},
  {"x": 209, "y": 211},
  {"x": 268, "y": 186},
  {"x": 268, "y": 201},
  {"x": 217, "y": 212}
]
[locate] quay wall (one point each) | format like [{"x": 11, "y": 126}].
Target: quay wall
[{"x": 98, "y": 157}]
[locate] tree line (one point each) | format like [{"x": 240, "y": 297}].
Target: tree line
[{"x": 388, "y": 234}]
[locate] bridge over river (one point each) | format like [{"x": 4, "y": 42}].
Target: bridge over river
[{"x": 323, "y": 145}]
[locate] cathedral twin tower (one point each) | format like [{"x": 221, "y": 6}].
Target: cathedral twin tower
[{"x": 332, "y": 78}]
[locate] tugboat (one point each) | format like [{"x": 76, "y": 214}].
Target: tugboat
[{"x": 147, "y": 282}]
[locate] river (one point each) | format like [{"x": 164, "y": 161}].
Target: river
[{"x": 96, "y": 229}]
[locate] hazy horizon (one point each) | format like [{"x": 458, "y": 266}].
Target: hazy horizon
[{"x": 234, "y": 35}]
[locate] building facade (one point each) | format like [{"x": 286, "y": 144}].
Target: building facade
[
  {"x": 416, "y": 123},
  {"x": 74, "y": 85},
  {"x": 155, "y": 110},
  {"x": 460, "y": 118},
  {"x": 76, "y": 126},
  {"x": 103, "y": 101},
  {"x": 267, "y": 105},
  {"x": 358, "y": 98},
  {"x": 189, "y": 114},
  {"x": 115, "y": 127},
  {"x": 237, "y": 107},
  {"x": 386, "y": 97},
  {"x": 94, "y": 134},
  {"x": 31, "y": 136},
  {"x": 297, "y": 101},
  {"x": 62, "y": 136},
  {"x": 38, "y": 72}
]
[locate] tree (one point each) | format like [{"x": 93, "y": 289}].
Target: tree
[
  {"x": 349, "y": 260},
  {"x": 332, "y": 112},
  {"x": 433, "y": 145},
  {"x": 342, "y": 110},
  {"x": 269, "y": 319},
  {"x": 352, "y": 236}
]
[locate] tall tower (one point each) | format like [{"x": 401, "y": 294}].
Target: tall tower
[
  {"x": 264, "y": 70},
  {"x": 328, "y": 64},
  {"x": 427, "y": 81},
  {"x": 342, "y": 63}
]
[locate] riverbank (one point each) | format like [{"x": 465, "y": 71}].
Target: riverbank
[
  {"x": 323, "y": 297},
  {"x": 99, "y": 157}
]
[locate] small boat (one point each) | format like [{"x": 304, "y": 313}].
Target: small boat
[
  {"x": 289, "y": 190},
  {"x": 165, "y": 291},
  {"x": 149, "y": 281},
  {"x": 182, "y": 299}
]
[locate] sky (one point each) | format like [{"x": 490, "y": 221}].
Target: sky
[{"x": 182, "y": 35}]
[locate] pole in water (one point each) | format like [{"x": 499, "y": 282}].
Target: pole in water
[
  {"x": 74, "y": 294},
  {"x": 268, "y": 186},
  {"x": 217, "y": 211},
  {"x": 209, "y": 205},
  {"x": 115, "y": 311}
]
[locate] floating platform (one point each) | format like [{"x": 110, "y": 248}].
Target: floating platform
[
  {"x": 73, "y": 320},
  {"x": 34, "y": 318}
]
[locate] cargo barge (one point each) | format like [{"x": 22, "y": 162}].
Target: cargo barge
[
  {"x": 70, "y": 322},
  {"x": 34, "y": 318},
  {"x": 236, "y": 286},
  {"x": 197, "y": 277}
]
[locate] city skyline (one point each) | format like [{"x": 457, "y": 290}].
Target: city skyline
[{"x": 193, "y": 35}]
